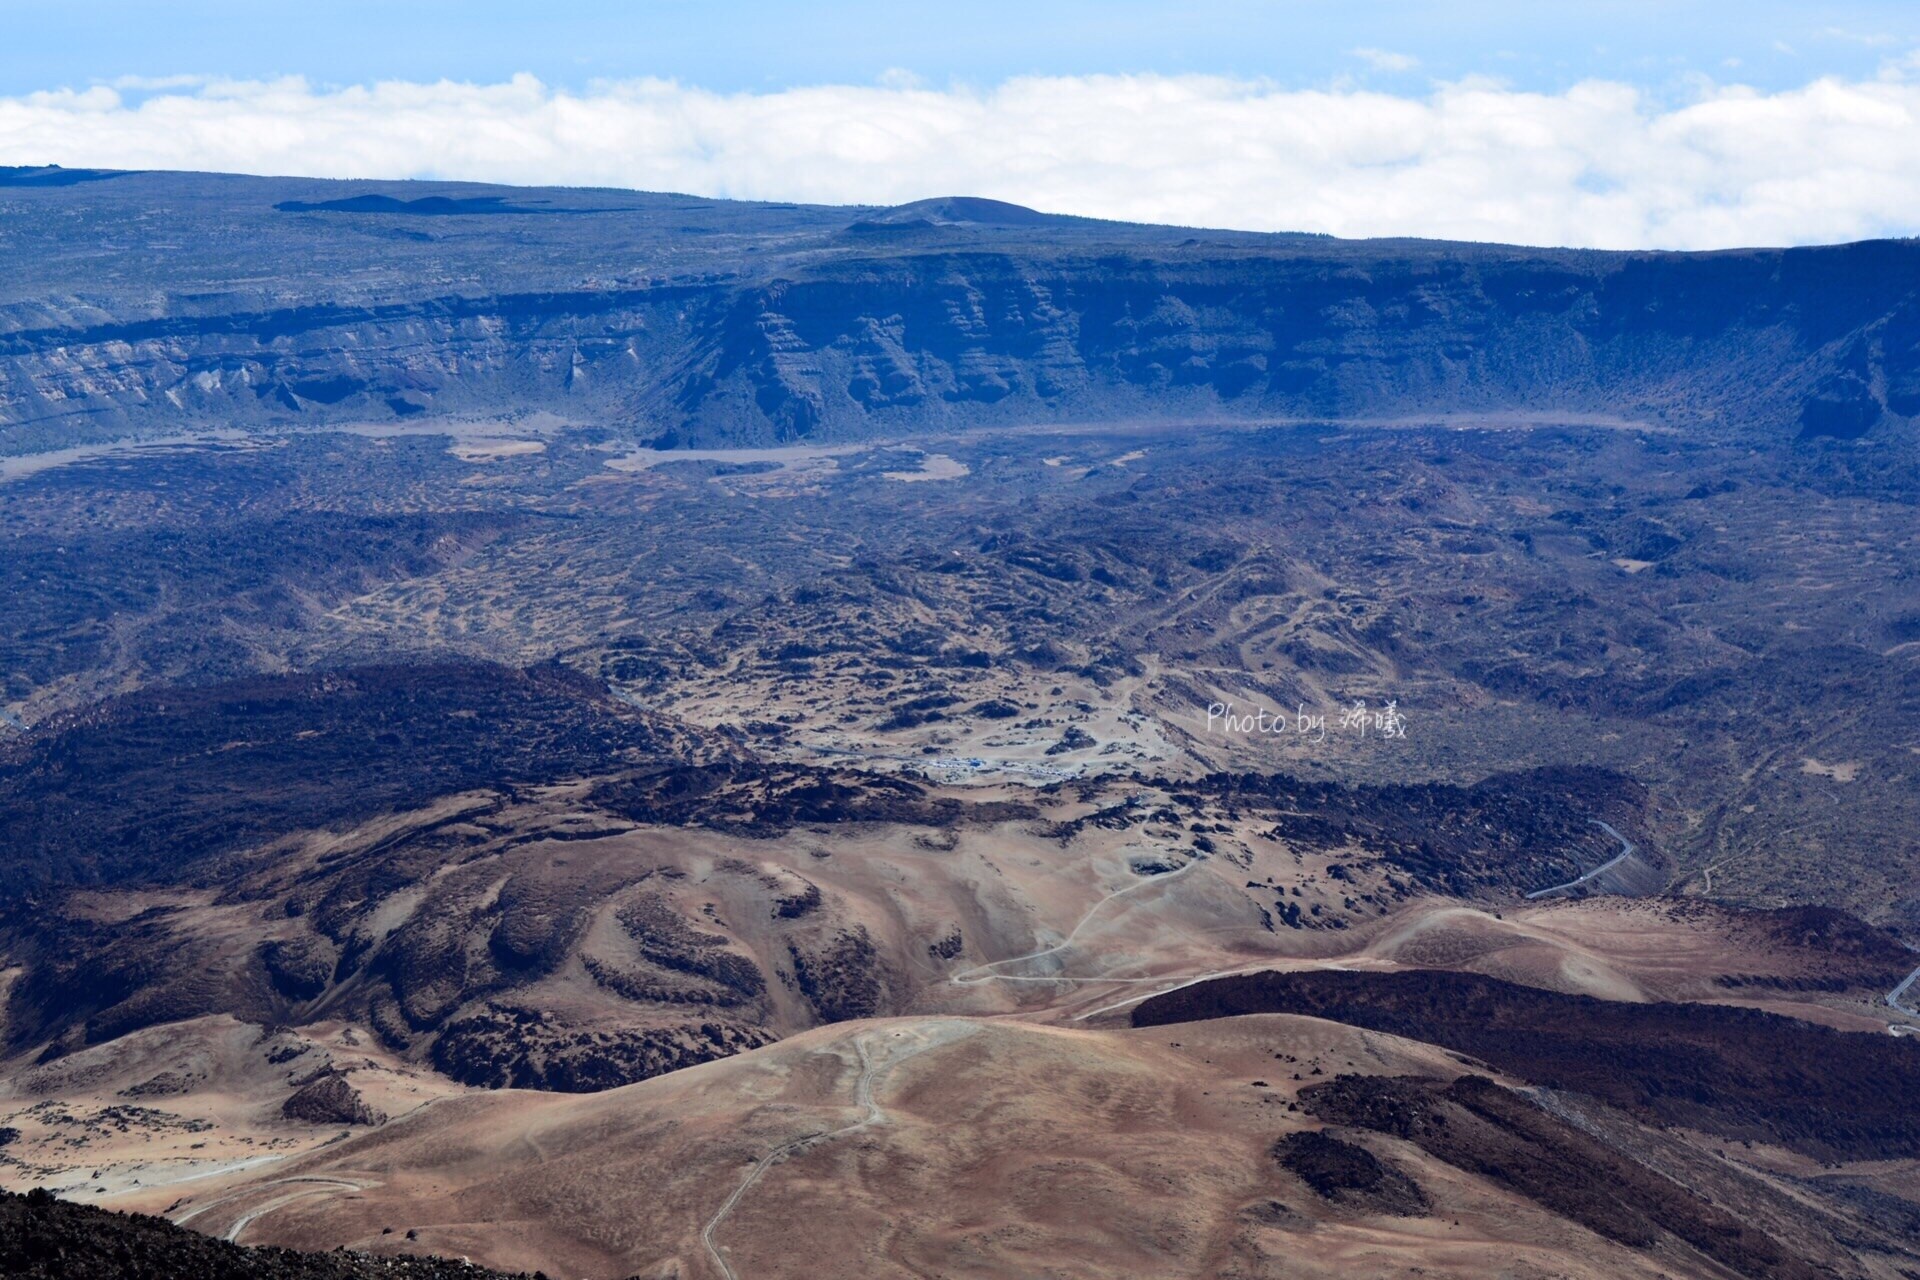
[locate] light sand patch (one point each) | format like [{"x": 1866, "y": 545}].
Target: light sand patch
[
  {"x": 483, "y": 436},
  {"x": 1133, "y": 456},
  {"x": 19, "y": 466},
  {"x": 1510, "y": 420},
  {"x": 186, "y": 1103},
  {"x": 787, "y": 456},
  {"x": 1844, "y": 771},
  {"x": 508, "y": 426},
  {"x": 1632, "y": 566},
  {"x": 494, "y": 450},
  {"x": 933, "y": 466}
]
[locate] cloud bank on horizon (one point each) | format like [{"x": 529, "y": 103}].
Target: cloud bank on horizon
[{"x": 1601, "y": 164}]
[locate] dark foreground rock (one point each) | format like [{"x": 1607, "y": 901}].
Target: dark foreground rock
[{"x": 44, "y": 1238}]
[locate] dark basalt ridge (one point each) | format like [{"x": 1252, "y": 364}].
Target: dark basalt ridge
[
  {"x": 749, "y": 798},
  {"x": 1741, "y": 1073},
  {"x": 1493, "y": 1132},
  {"x": 1509, "y": 832}
]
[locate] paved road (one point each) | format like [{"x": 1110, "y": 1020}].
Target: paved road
[
  {"x": 1895, "y": 996},
  {"x": 1626, "y": 851}
]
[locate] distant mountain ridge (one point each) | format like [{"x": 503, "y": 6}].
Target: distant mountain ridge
[
  {"x": 963, "y": 211},
  {"x": 159, "y": 302}
]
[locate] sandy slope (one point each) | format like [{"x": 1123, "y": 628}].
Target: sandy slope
[
  {"x": 991, "y": 1148},
  {"x": 1012, "y": 1125},
  {"x": 982, "y": 1143}
]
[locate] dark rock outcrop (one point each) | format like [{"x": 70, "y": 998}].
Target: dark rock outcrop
[
  {"x": 1741, "y": 1073},
  {"x": 1350, "y": 1176},
  {"x": 331, "y": 1099},
  {"x": 517, "y": 1048},
  {"x": 841, "y": 976}
]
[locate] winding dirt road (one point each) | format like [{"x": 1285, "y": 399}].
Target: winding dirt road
[
  {"x": 984, "y": 972},
  {"x": 880, "y": 1050},
  {"x": 302, "y": 1188}
]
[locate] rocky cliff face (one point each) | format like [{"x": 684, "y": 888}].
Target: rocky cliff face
[{"x": 150, "y": 303}]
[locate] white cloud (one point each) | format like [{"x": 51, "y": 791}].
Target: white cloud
[
  {"x": 1386, "y": 59},
  {"x": 1900, "y": 67},
  {"x": 149, "y": 84},
  {"x": 1869, "y": 38},
  {"x": 1600, "y": 164}
]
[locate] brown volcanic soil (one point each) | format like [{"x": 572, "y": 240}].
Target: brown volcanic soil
[
  {"x": 1741, "y": 1073},
  {"x": 590, "y": 931},
  {"x": 997, "y": 1148},
  {"x": 789, "y": 941},
  {"x": 1662, "y": 949}
]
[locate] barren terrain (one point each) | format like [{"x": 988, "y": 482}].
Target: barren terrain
[{"x": 764, "y": 740}]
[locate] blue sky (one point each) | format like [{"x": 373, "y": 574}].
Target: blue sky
[
  {"x": 760, "y": 44},
  {"x": 1610, "y": 123}
]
